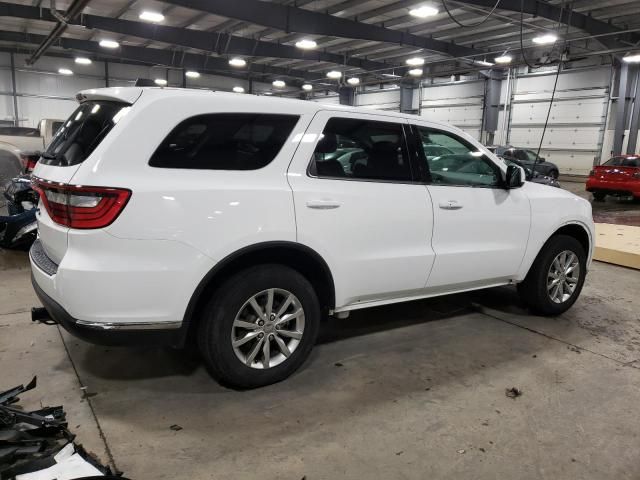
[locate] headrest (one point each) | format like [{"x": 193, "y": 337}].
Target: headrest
[{"x": 327, "y": 144}]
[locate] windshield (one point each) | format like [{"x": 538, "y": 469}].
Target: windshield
[{"x": 82, "y": 132}]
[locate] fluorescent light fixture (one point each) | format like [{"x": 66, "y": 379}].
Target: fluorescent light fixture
[
  {"x": 237, "y": 62},
  {"x": 390, "y": 75},
  {"x": 416, "y": 72},
  {"x": 423, "y": 11},
  {"x": 545, "y": 39},
  {"x": 307, "y": 87},
  {"x": 109, "y": 44},
  {"x": 503, "y": 59},
  {"x": 83, "y": 60},
  {"x": 632, "y": 57},
  {"x": 415, "y": 61},
  {"x": 267, "y": 93},
  {"x": 65, "y": 71},
  {"x": 238, "y": 89},
  {"x": 278, "y": 83},
  {"x": 154, "y": 17},
  {"x": 353, "y": 81},
  {"x": 484, "y": 63},
  {"x": 306, "y": 44},
  {"x": 160, "y": 81},
  {"x": 192, "y": 74},
  {"x": 334, "y": 74}
]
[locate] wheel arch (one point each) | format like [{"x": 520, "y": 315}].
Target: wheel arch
[
  {"x": 297, "y": 256},
  {"x": 577, "y": 231}
]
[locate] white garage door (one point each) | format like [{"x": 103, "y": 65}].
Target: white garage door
[
  {"x": 576, "y": 122},
  {"x": 458, "y": 104}
]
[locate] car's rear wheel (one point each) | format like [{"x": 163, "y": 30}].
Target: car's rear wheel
[
  {"x": 260, "y": 326},
  {"x": 554, "y": 174},
  {"x": 556, "y": 277},
  {"x": 599, "y": 196}
]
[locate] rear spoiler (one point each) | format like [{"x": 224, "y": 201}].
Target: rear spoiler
[{"x": 115, "y": 94}]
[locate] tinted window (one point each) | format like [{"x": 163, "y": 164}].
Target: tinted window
[
  {"x": 623, "y": 162},
  {"x": 461, "y": 163},
  {"x": 361, "y": 149},
  {"x": 82, "y": 132},
  {"x": 224, "y": 141}
]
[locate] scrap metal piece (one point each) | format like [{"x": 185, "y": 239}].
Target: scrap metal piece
[{"x": 11, "y": 396}]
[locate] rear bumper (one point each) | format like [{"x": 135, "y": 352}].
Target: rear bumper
[
  {"x": 614, "y": 188},
  {"x": 109, "y": 334}
]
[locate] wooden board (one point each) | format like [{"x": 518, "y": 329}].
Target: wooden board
[{"x": 618, "y": 244}]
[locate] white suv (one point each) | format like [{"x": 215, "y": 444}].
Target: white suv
[{"x": 241, "y": 221}]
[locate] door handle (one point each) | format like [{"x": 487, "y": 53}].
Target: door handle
[
  {"x": 323, "y": 204},
  {"x": 450, "y": 205}
]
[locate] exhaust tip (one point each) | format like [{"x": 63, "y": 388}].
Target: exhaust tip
[{"x": 40, "y": 314}]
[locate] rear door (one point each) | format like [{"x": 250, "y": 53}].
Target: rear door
[
  {"x": 480, "y": 230},
  {"x": 80, "y": 135},
  {"x": 359, "y": 204}
]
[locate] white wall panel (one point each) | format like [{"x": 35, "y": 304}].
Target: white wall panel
[{"x": 380, "y": 100}]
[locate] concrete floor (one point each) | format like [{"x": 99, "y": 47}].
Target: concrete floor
[{"x": 409, "y": 391}]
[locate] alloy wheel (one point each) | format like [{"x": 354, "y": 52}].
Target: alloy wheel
[
  {"x": 268, "y": 328},
  {"x": 563, "y": 276}
]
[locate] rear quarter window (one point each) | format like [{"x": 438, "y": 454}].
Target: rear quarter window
[{"x": 224, "y": 141}]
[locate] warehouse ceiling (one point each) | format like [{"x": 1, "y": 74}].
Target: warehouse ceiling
[{"x": 368, "y": 39}]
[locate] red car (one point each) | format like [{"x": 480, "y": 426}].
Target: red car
[{"x": 618, "y": 176}]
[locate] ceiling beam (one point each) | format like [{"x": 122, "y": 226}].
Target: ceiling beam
[
  {"x": 583, "y": 22},
  {"x": 163, "y": 57},
  {"x": 220, "y": 43},
  {"x": 292, "y": 19}
]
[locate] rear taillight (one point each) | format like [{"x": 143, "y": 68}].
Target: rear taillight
[
  {"x": 28, "y": 162},
  {"x": 82, "y": 207}
]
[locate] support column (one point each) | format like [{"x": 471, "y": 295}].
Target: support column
[
  {"x": 16, "y": 117},
  {"x": 635, "y": 117},
  {"x": 622, "y": 106},
  {"x": 106, "y": 74},
  {"x": 410, "y": 97},
  {"x": 491, "y": 110},
  {"x": 347, "y": 95}
]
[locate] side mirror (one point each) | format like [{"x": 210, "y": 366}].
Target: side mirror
[{"x": 515, "y": 177}]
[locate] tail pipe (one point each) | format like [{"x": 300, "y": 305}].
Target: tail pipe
[{"x": 40, "y": 314}]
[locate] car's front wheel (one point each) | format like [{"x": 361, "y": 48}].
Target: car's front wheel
[
  {"x": 260, "y": 326},
  {"x": 599, "y": 196},
  {"x": 556, "y": 277}
]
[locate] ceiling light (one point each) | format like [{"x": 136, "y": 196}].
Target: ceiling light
[
  {"x": 415, "y": 61},
  {"x": 83, "y": 60},
  {"x": 238, "y": 89},
  {"x": 154, "y": 17},
  {"x": 390, "y": 75},
  {"x": 353, "y": 81},
  {"x": 306, "y": 44},
  {"x": 192, "y": 74},
  {"x": 334, "y": 74},
  {"x": 416, "y": 72},
  {"x": 237, "y": 62},
  {"x": 632, "y": 57},
  {"x": 109, "y": 44},
  {"x": 267, "y": 93},
  {"x": 307, "y": 87},
  {"x": 545, "y": 39},
  {"x": 423, "y": 11},
  {"x": 160, "y": 81},
  {"x": 503, "y": 59},
  {"x": 65, "y": 71},
  {"x": 278, "y": 83},
  {"x": 484, "y": 63}
]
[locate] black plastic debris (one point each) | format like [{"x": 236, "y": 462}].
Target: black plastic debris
[
  {"x": 513, "y": 392},
  {"x": 39, "y": 441}
]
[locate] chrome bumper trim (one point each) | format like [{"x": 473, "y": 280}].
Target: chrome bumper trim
[{"x": 129, "y": 326}]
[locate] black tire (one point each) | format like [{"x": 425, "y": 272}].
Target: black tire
[
  {"x": 554, "y": 174},
  {"x": 216, "y": 325},
  {"x": 533, "y": 290},
  {"x": 599, "y": 196}
]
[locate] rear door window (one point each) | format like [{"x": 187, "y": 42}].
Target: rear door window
[
  {"x": 82, "y": 132},
  {"x": 224, "y": 141}
]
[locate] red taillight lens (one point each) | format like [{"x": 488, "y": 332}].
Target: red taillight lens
[
  {"x": 28, "y": 162},
  {"x": 79, "y": 206}
]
